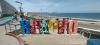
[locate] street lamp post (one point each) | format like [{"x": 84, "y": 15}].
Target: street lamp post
[{"x": 20, "y": 8}]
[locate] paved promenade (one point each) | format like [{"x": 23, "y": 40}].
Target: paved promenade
[
  {"x": 55, "y": 39},
  {"x": 5, "y": 39},
  {"x": 8, "y": 40}
]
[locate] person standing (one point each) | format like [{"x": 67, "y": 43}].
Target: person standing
[{"x": 15, "y": 15}]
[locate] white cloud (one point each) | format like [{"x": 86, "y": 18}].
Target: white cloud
[{"x": 59, "y": 5}]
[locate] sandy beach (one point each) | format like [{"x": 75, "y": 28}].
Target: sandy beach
[{"x": 89, "y": 24}]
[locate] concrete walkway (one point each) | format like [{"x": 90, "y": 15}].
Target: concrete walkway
[
  {"x": 8, "y": 40},
  {"x": 5, "y": 39},
  {"x": 55, "y": 39}
]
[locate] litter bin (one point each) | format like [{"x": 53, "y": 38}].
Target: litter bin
[{"x": 93, "y": 42}]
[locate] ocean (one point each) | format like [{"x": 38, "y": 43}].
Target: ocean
[{"x": 94, "y": 16}]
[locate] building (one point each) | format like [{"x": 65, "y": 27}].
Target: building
[
  {"x": 6, "y": 9},
  {"x": 0, "y": 10}
]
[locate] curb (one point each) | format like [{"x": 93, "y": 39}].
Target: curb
[{"x": 21, "y": 42}]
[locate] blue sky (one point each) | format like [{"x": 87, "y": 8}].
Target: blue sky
[{"x": 61, "y": 6}]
